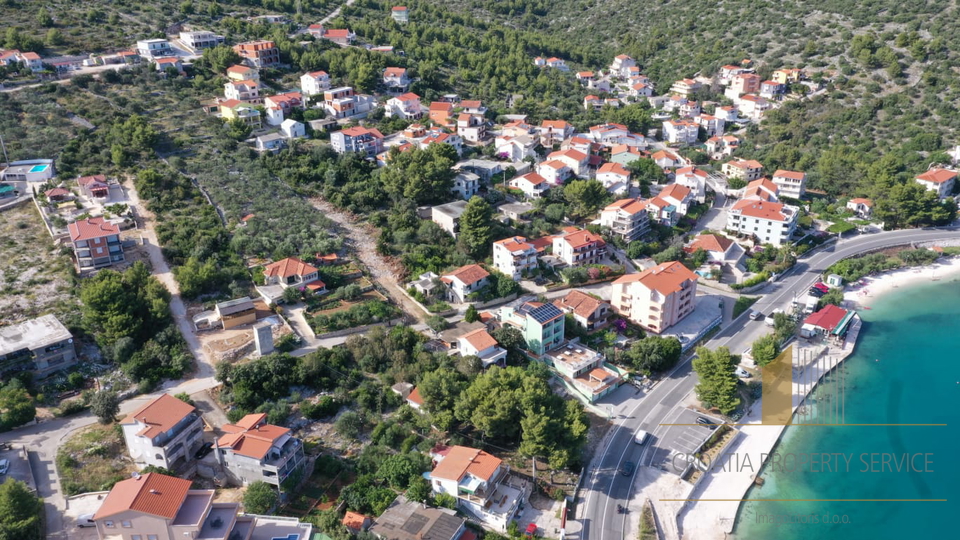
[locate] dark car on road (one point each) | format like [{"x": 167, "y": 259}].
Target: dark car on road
[
  {"x": 204, "y": 450},
  {"x": 627, "y": 468}
]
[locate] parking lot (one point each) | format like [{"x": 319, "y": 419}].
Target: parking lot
[
  {"x": 675, "y": 442},
  {"x": 19, "y": 466},
  {"x": 77, "y": 506}
]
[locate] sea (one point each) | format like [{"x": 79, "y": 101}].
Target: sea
[{"x": 905, "y": 370}]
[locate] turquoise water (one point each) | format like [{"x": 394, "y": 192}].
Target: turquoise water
[
  {"x": 38, "y": 168},
  {"x": 915, "y": 335}
]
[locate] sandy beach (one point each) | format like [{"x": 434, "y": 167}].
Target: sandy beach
[{"x": 860, "y": 296}]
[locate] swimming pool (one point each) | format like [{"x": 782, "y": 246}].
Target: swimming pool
[{"x": 39, "y": 168}]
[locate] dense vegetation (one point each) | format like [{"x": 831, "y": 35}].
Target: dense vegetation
[{"x": 20, "y": 511}]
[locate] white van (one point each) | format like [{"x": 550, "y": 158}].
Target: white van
[
  {"x": 86, "y": 520},
  {"x": 640, "y": 437}
]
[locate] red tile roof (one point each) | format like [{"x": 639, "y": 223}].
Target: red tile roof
[
  {"x": 692, "y": 170},
  {"x": 630, "y": 206},
  {"x": 664, "y": 278},
  {"x": 580, "y": 303},
  {"x": 468, "y": 274},
  {"x": 56, "y": 192},
  {"x": 415, "y": 397},
  {"x": 355, "y": 520},
  {"x": 480, "y": 339},
  {"x": 250, "y": 437},
  {"x": 462, "y": 460},
  {"x": 471, "y": 104},
  {"x": 160, "y": 415},
  {"x": 285, "y": 268},
  {"x": 793, "y": 175},
  {"x": 394, "y": 72},
  {"x": 357, "y": 131},
  {"x": 342, "y": 33},
  {"x": 937, "y": 176},
  {"x": 441, "y": 106},
  {"x": 514, "y": 243},
  {"x": 710, "y": 242},
  {"x": 865, "y": 202},
  {"x": 614, "y": 168},
  {"x": 675, "y": 191},
  {"x": 555, "y": 124},
  {"x": 582, "y": 238},
  {"x": 533, "y": 178},
  {"x": 827, "y": 318},
  {"x": 761, "y": 210},
  {"x": 151, "y": 493},
  {"x": 91, "y": 228}
]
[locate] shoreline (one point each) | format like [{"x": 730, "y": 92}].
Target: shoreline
[
  {"x": 756, "y": 438},
  {"x": 859, "y": 297}
]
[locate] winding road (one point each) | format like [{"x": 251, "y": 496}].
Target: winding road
[{"x": 604, "y": 486}]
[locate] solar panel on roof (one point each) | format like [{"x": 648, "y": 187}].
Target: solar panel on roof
[{"x": 545, "y": 313}]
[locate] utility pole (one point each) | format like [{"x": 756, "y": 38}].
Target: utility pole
[{"x": 4, "y": 146}]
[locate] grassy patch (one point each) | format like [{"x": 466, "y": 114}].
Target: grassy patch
[
  {"x": 648, "y": 528},
  {"x": 742, "y": 304},
  {"x": 94, "y": 459}
]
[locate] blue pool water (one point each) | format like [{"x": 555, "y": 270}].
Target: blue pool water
[{"x": 38, "y": 168}]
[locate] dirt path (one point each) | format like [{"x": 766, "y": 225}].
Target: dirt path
[
  {"x": 363, "y": 236},
  {"x": 162, "y": 272}
]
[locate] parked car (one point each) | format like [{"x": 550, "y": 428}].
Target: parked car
[
  {"x": 743, "y": 373},
  {"x": 755, "y": 315},
  {"x": 704, "y": 421},
  {"x": 628, "y": 468},
  {"x": 204, "y": 450},
  {"x": 86, "y": 520},
  {"x": 4, "y": 465},
  {"x": 640, "y": 437}
]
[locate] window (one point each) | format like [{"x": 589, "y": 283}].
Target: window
[
  {"x": 152, "y": 537},
  {"x": 126, "y": 524},
  {"x": 108, "y": 524},
  {"x": 136, "y": 537}
]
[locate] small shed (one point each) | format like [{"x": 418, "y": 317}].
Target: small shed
[{"x": 834, "y": 280}]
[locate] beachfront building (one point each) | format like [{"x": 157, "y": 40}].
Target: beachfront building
[
  {"x": 657, "y": 298},
  {"x": 831, "y": 322},
  {"x": 42, "y": 345}
]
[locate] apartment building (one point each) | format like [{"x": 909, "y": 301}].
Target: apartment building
[
  {"x": 791, "y": 184},
  {"x": 247, "y": 91},
  {"x": 747, "y": 170},
  {"x": 314, "y": 83},
  {"x": 542, "y": 325},
  {"x": 258, "y": 54},
  {"x": 396, "y": 80},
  {"x": 745, "y": 83},
  {"x": 154, "y": 48},
  {"x": 656, "y": 298},
  {"x": 42, "y": 345},
  {"x": 466, "y": 184},
  {"x": 253, "y": 450},
  {"x": 514, "y": 256},
  {"x": 447, "y": 216},
  {"x": 681, "y": 131},
  {"x": 96, "y": 243},
  {"x": 357, "y": 139},
  {"x": 478, "y": 481},
  {"x": 197, "y": 41},
  {"x": 695, "y": 180},
  {"x": 577, "y": 247},
  {"x": 589, "y": 312},
  {"x": 343, "y": 102},
  {"x": 154, "y": 506},
  {"x": 406, "y": 106},
  {"x": 626, "y": 218},
  {"x": 768, "y": 222},
  {"x": 165, "y": 433}
]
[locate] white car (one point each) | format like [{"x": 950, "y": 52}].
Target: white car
[
  {"x": 86, "y": 520},
  {"x": 4, "y": 465},
  {"x": 640, "y": 437}
]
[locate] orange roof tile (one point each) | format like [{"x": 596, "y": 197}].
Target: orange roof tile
[
  {"x": 90, "y": 228},
  {"x": 533, "y": 178},
  {"x": 468, "y": 274},
  {"x": 664, "y": 278},
  {"x": 630, "y": 206},
  {"x": 675, "y": 191},
  {"x": 291, "y": 266},
  {"x": 710, "y": 242},
  {"x": 761, "y": 210},
  {"x": 441, "y": 106},
  {"x": 480, "y": 339},
  {"x": 415, "y": 397},
  {"x": 462, "y": 460},
  {"x": 692, "y": 170},
  {"x": 580, "y": 303},
  {"x": 251, "y": 437},
  {"x": 937, "y": 176},
  {"x": 555, "y": 124},
  {"x": 514, "y": 243},
  {"x": 865, "y": 202},
  {"x": 151, "y": 493},
  {"x": 614, "y": 168},
  {"x": 394, "y": 72},
  {"x": 793, "y": 175},
  {"x": 160, "y": 415},
  {"x": 582, "y": 238},
  {"x": 354, "y": 520},
  {"x": 764, "y": 184}
]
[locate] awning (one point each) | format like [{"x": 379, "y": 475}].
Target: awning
[{"x": 842, "y": 325}]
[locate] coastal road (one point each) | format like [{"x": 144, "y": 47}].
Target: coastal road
[{"x": 604, "y": 487}]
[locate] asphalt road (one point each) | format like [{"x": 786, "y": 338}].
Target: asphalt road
[{"x": 605, "y": 487}]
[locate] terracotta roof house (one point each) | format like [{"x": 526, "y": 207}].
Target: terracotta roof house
[
  {"x": 481, "y": 344},
  {"x": 252, "y": 450},
  {"x": 513, "y": 256},
  {"x": 938, "y": 180},
  {"x": 791, "y": 184},
  {"x": 415, "y": 400},
  {"x": 768, "y": 222},
  {"x": 96, "y": 243},
  {"x": 589, "y": 312},
  {"x": 165, "y": 433},
  {"x": 627, "y": 218},
  {"x": 477, "y": 480},
  {"x": 293, "y": 272},
  {"x": 465, "y": 280},
  {"x": 579, "y": 247},
  {"x": 761, "y": 189},
  {"x": 862, "y": 207},
  {"x": 356, "y": 522},
  {"x": 830, "y": 320},
  {"x": 95, "y": 186},
  {"x": 154, "y": 506}
]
